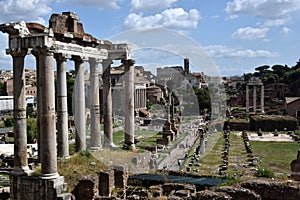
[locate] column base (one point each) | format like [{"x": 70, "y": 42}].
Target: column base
[
  {"x": 129, "y": 145},
  {"x": 49, "y": 176},
  {"x": 22, "y": 171},
  {"x": 63, "y": 158},
  {"x": 96, "y": 148},
  {"x": 110, "y": 145}
]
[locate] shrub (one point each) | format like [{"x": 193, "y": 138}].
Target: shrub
[
  {"x": 268, "y": 173},
  {"x": 86, "y": 153}
]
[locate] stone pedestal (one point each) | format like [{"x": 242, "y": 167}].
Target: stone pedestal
[
  {"x": 121, "y": 176},
  {"x": 295, "y": 168},
  {"x": 33, "y": 188},
  {"x": 106, "y": 182},
  {"x": 167, "y": 131}
]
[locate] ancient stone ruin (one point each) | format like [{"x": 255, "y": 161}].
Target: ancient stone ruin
[{"x": 64, "y": 39}]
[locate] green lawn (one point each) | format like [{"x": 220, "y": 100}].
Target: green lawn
[
  {"x": 276, "y": 155},
  {"x": 145, "y": 137}
]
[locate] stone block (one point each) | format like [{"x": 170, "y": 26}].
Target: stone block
[{"x": 106, "y": 182}]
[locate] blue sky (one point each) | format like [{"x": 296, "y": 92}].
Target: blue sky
[{"x": 219, "y": 36}]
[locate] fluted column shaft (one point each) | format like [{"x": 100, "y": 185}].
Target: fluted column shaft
[
  {"x": 107, "y": 103},
  {"x": 247, "y": 98},
  {"x": 47, "y": 96},
  {"x": 262, "y": 96},
  {"x": 79, "y": 114},
  {"x": 20, "y": 133},
  {"x": 254, "y": 98},
  {"x": 94, "y": 105},
  {"x": 62, "y": 107},
  {"x": 129, "y": 102}
]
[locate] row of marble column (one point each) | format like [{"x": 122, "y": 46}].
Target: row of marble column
[
  {"x": 46, "y": 114},
  {"x": 255, "y": 98}
]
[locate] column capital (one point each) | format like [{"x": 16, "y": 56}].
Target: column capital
[
  {"x": 128, "y": 62},
  {"x": 106, "y": 62},
  {"x": 79, "y": 59},
  {"x": 42, "y": 50},
  {"x": 94, "y": 60},
  {"x": 17, "y": 52},
  {"x": 62, "y": 57}
]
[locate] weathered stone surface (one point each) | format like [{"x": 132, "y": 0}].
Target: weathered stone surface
[
  {"x": 239, "y": 193},
  {"x": 295, "y": 168},
  {"x": 207, "y": 194},
  {"x": 272, "y": 122},
  {"x": 273, "y": 190},
  {"x": 32, "y": 188},
  {"x": 169, "y": 187},
  {"x": 133, "y": 193},
  {"x": 86, "y": 188},
  {"x": 156, "y": 191}
]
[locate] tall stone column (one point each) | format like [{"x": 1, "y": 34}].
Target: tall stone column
[
  {"x": 47, "y": 96},
  {"x": 262, "y": 96},
  {"x": 95, "y": 105},
  {"x": 79, "y": 108},
  {"x": 107, "y": 103},
  {"x": 39, "y": 103},
  {"x": 62, "y": 107},
  {"x": 254, "y": 98},
  {"x": 247, "y": 98},
  {"x": 129, "y": 102},
  {"x": 20, "y": 133},
  {"x": 169, "y": 108}
]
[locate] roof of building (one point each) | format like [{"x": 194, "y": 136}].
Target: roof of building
[{"x": 289, "y": 100}]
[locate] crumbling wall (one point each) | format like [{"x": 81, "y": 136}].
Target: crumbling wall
[
  {"x": 273, "y": 190},
  {"x": 272, "y": 122}
]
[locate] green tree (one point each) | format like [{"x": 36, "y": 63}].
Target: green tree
[
  {"x": 31, "y": 129},
  {"x": 9, "y": 122},
  {"x": 204, "y": 100}
]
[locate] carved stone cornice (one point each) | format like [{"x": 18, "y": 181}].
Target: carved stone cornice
[
  {"x": 128, "y": 62},
  {"x": 17, "y": 52}
]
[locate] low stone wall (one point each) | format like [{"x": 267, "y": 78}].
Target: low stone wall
[
  {"x": 239, "y": 126},
  {"x": 32, "y": 188},
  {"x": 273, "y": 190},
  {"x": 272, "y": 122}
]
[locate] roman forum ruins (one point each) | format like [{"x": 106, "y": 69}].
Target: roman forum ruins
[{"x": 63, "y": 39}]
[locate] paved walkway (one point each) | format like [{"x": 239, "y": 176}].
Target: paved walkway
[{"x": 181, "y": 149}]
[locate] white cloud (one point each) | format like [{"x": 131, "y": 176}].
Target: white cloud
[
  {"x": 222, "y": 51},
  {"x": 170, "y": 18},
  {"x": 153, "y": 5},
  {"x": 285, "y": 30},
  {"x": 114, "y": 4},
  {"x": 5, "y": 60},
  {"x": 276, "y": 22},
  {"x": 263, "y": 8},
  {"x": 27, "y": 10},
  {"x": 249, "y": 33}
]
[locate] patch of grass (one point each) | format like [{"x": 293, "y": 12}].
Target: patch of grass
[
  {"x": 119, "y": 137},
  {"x": 267, "y": 173},
  {"x": 77, "y": 166},
  {"x": 276, "y": 156}
]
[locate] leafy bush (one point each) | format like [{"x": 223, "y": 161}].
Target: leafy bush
[
  {"x": 268, "y": 173},
  {"x": 9, "y": 122},
  {"x": 86, "y": 153}
]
